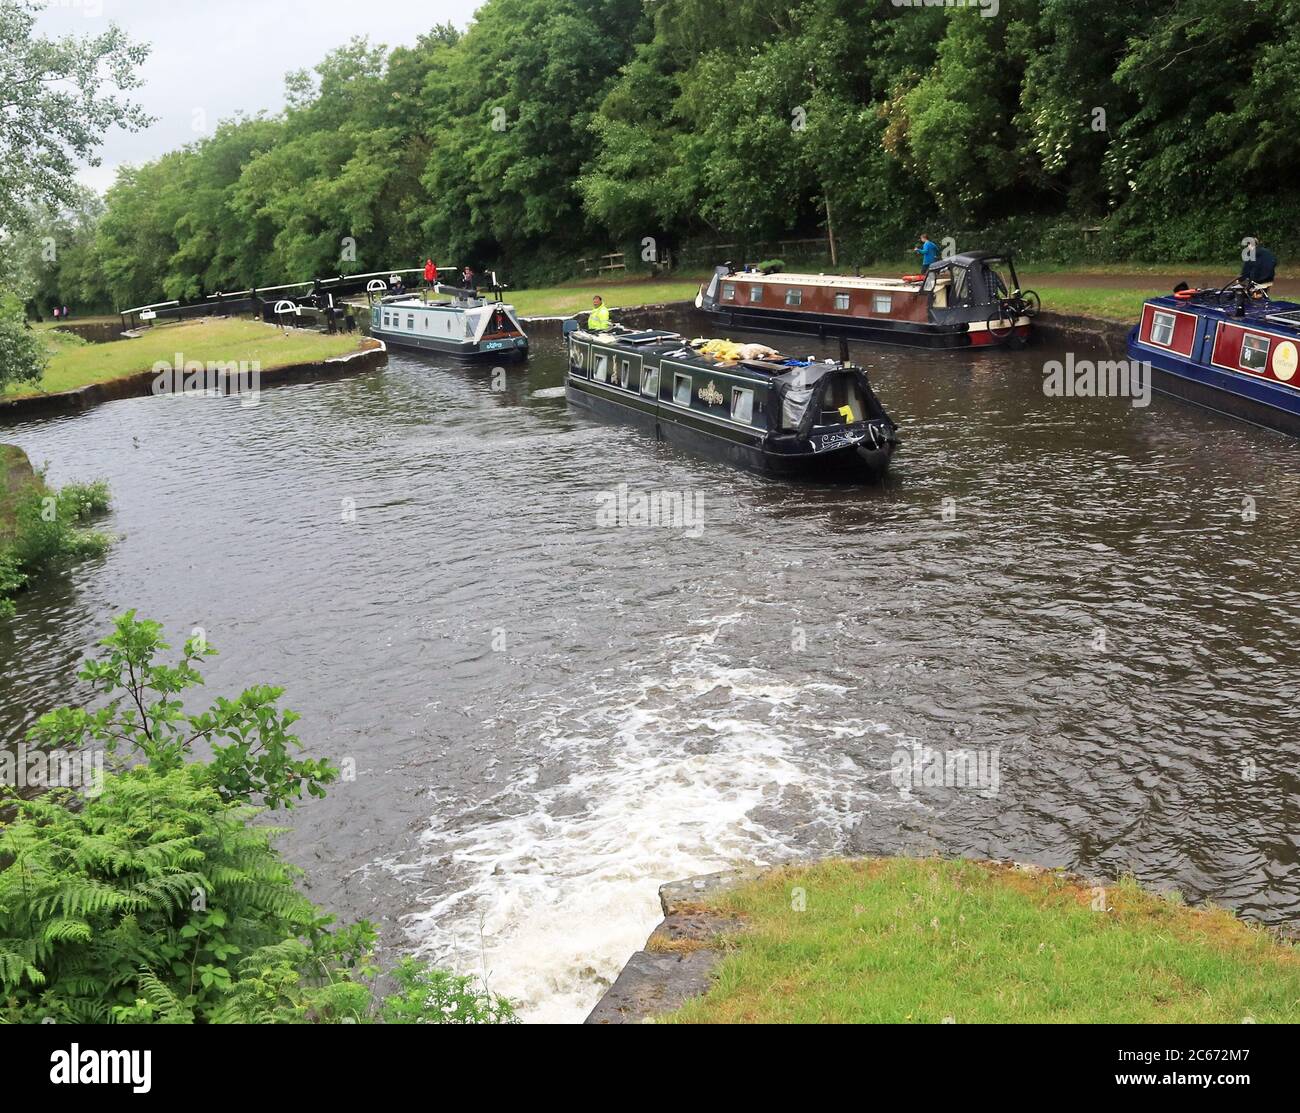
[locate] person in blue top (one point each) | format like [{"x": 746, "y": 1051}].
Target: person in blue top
[{"x": 929, "y": 251}]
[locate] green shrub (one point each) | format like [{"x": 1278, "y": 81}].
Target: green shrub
[
  {"x": 154, "y": 899},
  {"x": 49, "y": 527},
  {"x": 433, "y": 996},
  {"x": 143, "y": 717},
  {"x": 139, "y": 904}
]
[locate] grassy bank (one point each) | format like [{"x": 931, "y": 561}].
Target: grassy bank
[
  {"x": 40, "y": 527},
  {"x": 76, "y": 363},
  {"x": 1105, "y": 304},
  {"x": 575, "y": 296},
  {"x": 919, "y": 941}
]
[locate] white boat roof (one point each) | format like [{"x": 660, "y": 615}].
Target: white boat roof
[
  {"x": 841, "y": 281},
  {"x": 416, "y": 302}
]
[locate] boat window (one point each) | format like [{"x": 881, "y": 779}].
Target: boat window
[
  {"x": 600, "y": 369},
  {"x": 385, "y": 316},
  {"x": 410, "y": 321},
  {"x": 742, "y": 405},
  {"x": 1254, "y": 352},
  {"x": 882, "y": 303},
  {"x": 960, "y": 287},
  {"x": 756, "y": 294},
  {"x": 625, "y": 373},
  {"x": 794, "y": 297},
  {"x": 841, "y": 301},
  {"x": 650, "y": 381},
  {"x": 1162, "y": 329},
  {"x": 576, "y": 354},
  {"x": 682, "y": 390},
  {"x": 728, "y": 291}
]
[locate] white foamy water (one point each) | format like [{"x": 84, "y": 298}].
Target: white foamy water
[{"x": 659, "y": 775}]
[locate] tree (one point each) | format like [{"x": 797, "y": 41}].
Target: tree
[{"x": 58, "y": 98}]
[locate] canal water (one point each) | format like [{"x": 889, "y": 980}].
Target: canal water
[{"x": 550, "y": 715}]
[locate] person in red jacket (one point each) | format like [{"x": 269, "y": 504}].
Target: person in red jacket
[{"x": 430, "y": 272}]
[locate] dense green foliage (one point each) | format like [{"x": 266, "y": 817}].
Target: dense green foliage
[
  {"x": 553, "y": 129},
  {"x": 58, "y": 98},
  {"x": 153, "y": 899},
  {"x": 39, "y": 528}
]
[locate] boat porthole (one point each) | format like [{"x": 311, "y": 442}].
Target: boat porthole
[{"x": 1284, "y": 361}]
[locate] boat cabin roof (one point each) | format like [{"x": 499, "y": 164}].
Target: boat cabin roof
[
  {"x": 413, "y": 301},
  {"x": 1283, "y": 316},
  {"x": 660, "y": 344},
  {"x": 840, "y": 281},
  {"x": 865, "y": 282}
]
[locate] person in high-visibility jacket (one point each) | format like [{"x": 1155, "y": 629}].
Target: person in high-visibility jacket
[{"x": 598, "y": 321}]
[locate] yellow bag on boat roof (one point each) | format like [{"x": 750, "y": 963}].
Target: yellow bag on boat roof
[{"x": 730, "y": 350}]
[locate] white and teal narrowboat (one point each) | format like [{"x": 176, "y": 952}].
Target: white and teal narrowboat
[{"x": 453, "y": 322}]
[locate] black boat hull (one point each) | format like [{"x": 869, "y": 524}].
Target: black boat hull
[
  {"x": 470, "y": 352},
  {"x": 850, "y": 462}
]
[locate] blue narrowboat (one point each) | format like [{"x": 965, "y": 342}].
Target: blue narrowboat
[{"x": 1225, "y": 350}]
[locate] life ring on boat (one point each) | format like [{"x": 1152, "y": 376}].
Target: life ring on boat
[{"x": 913, "y": 278}]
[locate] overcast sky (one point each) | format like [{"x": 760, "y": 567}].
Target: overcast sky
[{"x": 212, "y": 58}]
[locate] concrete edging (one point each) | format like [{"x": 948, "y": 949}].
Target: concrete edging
[
  {"x": 1111, "y": 336},
  {"x": 678, "y": 960}
]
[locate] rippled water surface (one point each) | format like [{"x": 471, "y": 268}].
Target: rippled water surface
[{"x": 549, "y": 718}]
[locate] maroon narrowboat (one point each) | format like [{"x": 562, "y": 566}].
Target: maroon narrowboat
[{"x": 968, "y": 300}]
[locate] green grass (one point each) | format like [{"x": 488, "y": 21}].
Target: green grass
[
  {"x": 920, "y": 941},
  {"x": 75, "y": 363},
  {"x": 575, "y": 296},
  {"x": 1111, "y": 305}
]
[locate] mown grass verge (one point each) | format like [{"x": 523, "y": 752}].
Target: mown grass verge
[
  {"x": 1107, "y": 305},
  {"x": 575, "y": 296},
  {"x": 75, "y": 363},
  {"x": 924, "y": 941}
]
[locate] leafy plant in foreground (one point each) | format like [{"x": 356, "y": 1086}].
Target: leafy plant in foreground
[
  {"x": 249, "y": 737},
  {"x": 156, "y": 900},
  {"x": 434, "y": 996}
]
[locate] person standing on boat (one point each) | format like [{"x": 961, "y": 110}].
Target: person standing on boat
[
  {"x": 929, "y": 251},
  {"x": 468, "y": 281},
  {"x": 1259, "y": 265},
  {"x": 598, "y": 319},
  {"x": 430, "y": 273}
]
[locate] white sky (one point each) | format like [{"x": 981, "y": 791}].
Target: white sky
[{"x": 212, "y": 58}]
